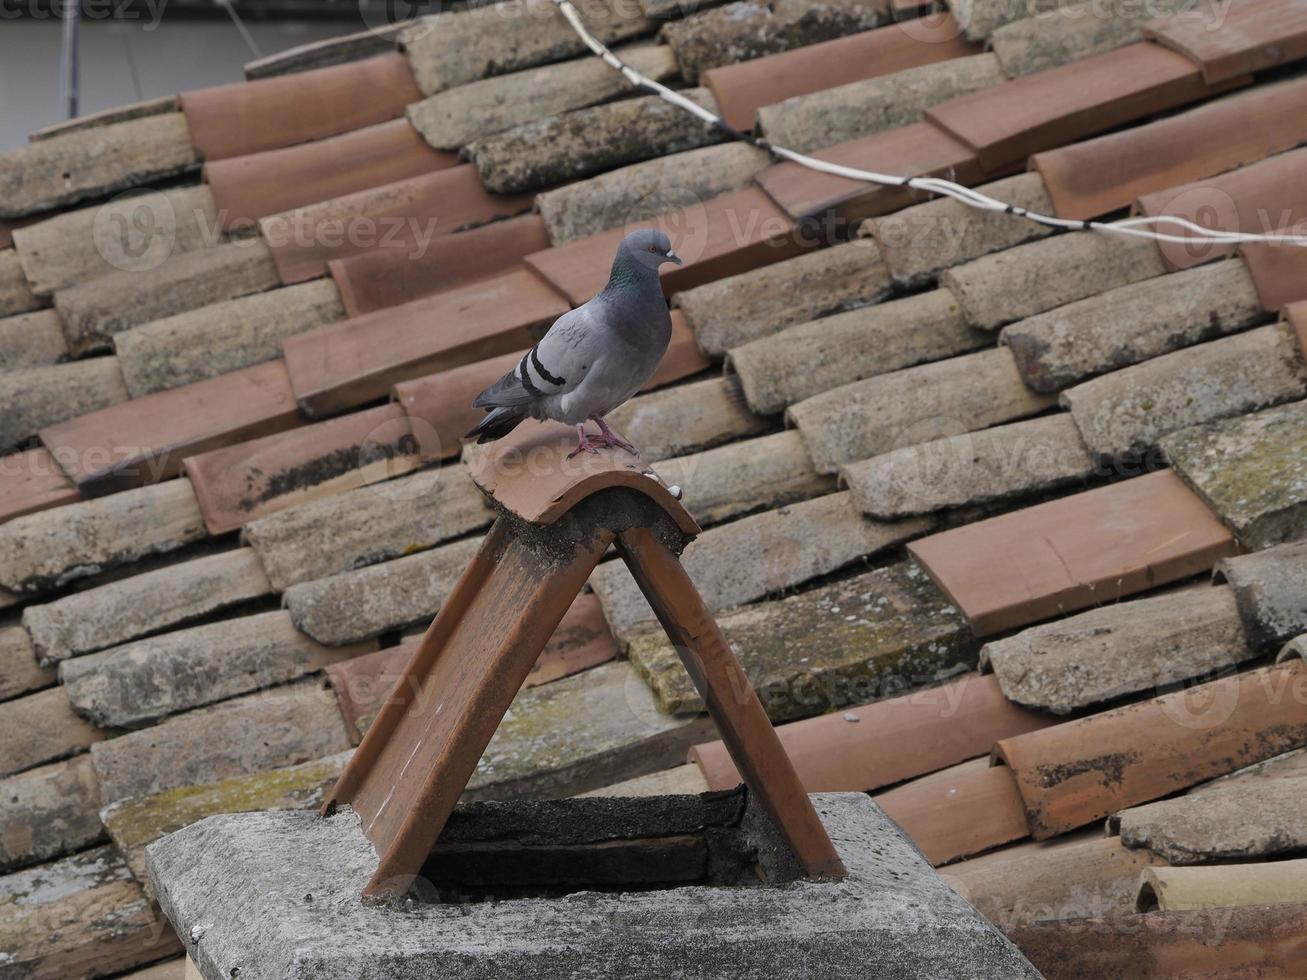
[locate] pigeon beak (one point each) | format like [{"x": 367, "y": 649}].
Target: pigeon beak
[{"x": 674, "y": 257}]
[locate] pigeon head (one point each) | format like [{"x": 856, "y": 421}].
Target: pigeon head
[{"x": 647, "y": 248}]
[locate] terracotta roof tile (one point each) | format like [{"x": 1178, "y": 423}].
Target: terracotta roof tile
[
  {"x": 917, "y": 404},
  {"x": 1079, "y": 551},
  {"x": 253, "y": 186},
  {"x": 440, "y": 404},
  {"x": 30, "y": 481},
  {"x": 1251, "y": 35},
  {"x": 16, "y": 294},
  {"x": 380, "y": 278},
  {"x": 918, "y": 150},
  {"x": 879, "y": 744},
  {"x": 1071, "y": 31},
  {"x": 19, "y": 671},
  {"x": 48, "y": 812},
  {"x": 105, "y": 924},
  {"x": 238, "y": 483},
  {"x": 1287, "y": 765},
  {"x": 253, "y": 733},
  {"x": 1080, "y": 771},
  {"x": 1007, "y": 123},
  {"x": 1091, "y": 178},
  {"x": 145, "y": 440},
  {"x": 404, "y": 216},
  {"x": 1257, "y": 939},
  {"x": 959, "y": 811},
  {"x": 1185, "y": 889},
  {"x": 1074, "y": 875},
  {"x": 341, "y": 49},
  {"x": 1279, "y": 274},
  {"x": 1128, "y": 410},
  {"x": 350, "y": 363},
  {"x": 36, "y": 397},
  {"x": 33, "y": 339},
  {"x": 727, "y": 235},
  {"x": 581, "y": 641},
  {"x": 1271, "y": 587},
  {"x": 95, "y": 120},
  {"x": 1265, "y": 197},
  {"x": 1102, "y": 654},
  {"x": 1296, "y": 316},
  {"x": 981, "y": 18},
  {"x": 40, "y": 728},
  {"x": 1133, "y": 323},
  {"x": 744, "y": 87},
  {"x": 687, "y": 418},
  {"x": 1251, "y": 470},
  {"x": 250, "y": 117}
]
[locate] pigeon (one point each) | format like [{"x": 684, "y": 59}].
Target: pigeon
[{"x": 593, "y": 358}]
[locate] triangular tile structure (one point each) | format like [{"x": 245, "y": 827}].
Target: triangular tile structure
[{"x": 557, "y": 517}]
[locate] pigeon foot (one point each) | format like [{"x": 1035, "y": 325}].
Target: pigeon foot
[
  {"x": 583, "y": 443},
  {"x": 611, "y": 438}
]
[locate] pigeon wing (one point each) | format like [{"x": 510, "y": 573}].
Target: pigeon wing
[{"x": 554, "y": 366}]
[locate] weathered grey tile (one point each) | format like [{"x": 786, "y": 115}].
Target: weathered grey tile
[
  {"x": 48, "y": 812},
  {"x": 919, "y": 241},
  {"x": 16, "y": 294},
  {"x": 1297, "y": 647},
  {"x": 82, "y": 916},
  {"x": 1129, "y": 410},
  {"x": 1251, "y": 470},
  {"x": 92, "y": 312},
  {"x": 1271, "y": 587},
  {"x": 269, "y": 730},
  {"x": 455, "y": 48},
  {"x": 582, "y": 142},
  {"x": 131, "y": 232},
  {"x": 1132, "y": 323},
  {"x": 226, "y": 336},
  {"x": 849, "y": 642},
  {"x": 1042, "y": 275},
  {"x": 981, "y": 18},
  {"x": 35, "y": 397},
  {"x": 752, "y": 474},
  {"x": 31, "y": 339},
  {"x": 733, "y": 311},
  {"x": 49, "y": 548},
  {"x": 741, "y": 31},
  {"x": 971, "y": 468},
  {"x": 135, "y": 823},
  {"x": 648, "y": 189},
  {"x": 367, "y": 602},
  {"x": 809, "y": 358},
  {"x": 19, "y": 671},
  {"x": 1240, "y": 822},
  {"x": 367, "y": 525},
  {"x": 457, "y": 116},
  {"x": 912, "y": 406},
  {"x": 747, "y": 559},
  {"x": 139, "y": 605},
  {"x": 41, "y": 728},
  {"x": 1287, "y": 765},
  {"x": 105, "y": 117},
  {"x": 686, "y": 418},
  {"x": 579, "y": 733},
  {"x": 1127, "y": 648},
  {"x": 94, "y": 162},
  {"x": 131, "y": 685},
  {"x": 847, "y": 112},
  {"x": 1074, "y": 31}
]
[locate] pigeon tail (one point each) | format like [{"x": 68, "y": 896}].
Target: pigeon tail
[{"x": 497, "y": 424}]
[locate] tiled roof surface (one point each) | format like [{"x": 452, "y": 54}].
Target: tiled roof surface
[{"x": 964, "y": 481}]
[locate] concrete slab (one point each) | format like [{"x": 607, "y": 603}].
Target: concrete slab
[{"x": 277, "y": 895}]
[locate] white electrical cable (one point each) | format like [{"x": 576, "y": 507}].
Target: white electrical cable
[{"x": 1136, "y": 227}]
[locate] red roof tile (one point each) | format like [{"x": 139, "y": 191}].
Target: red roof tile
[
  {"x": 253, "y": 186},
  {"x": 744, "y": 87},
  {"x": 403, "y": 216},
  {"x": 1246, "y": 36},
  {"x": 1075, "y": 552},
  {"x": 910, "y": 151},
  {"x": 886, "y": 742},
  {"x": 960, "y": 811},
  {"x": 1078, "y": 772},
  {"x": 1007, "y": 123},
  {"x": 145, "y": 440},
  {"x": 346, "y": 364},
  {"x": 440, "y": 405},
  {"x": 32, "y": 481},
  {"x": 236, "y": 484},
  {"x": 1279, "y": 274},
  {"x": 1091, "y": 178},
  {"x": 381, "y": 278},
  {"x": 1296, "y": 315},
  {"x": 724, "y": 236},
  {"x": 249, "y": 117}
]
